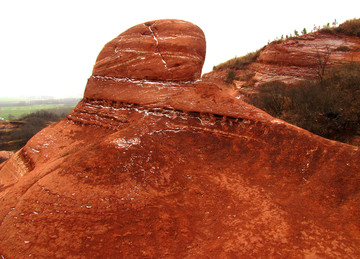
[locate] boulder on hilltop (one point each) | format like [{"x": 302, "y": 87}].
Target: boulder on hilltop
[
  {"x": 156, "y": 162},
  {"x": 167, "y": 50}
]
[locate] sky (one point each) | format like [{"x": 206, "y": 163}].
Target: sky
[{"x": 49, "y": 47}]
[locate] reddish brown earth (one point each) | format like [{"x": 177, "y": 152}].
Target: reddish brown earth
[
  {"x": 162, "y": 168},
  {"x": 5, "y": 155},
  {"x": 296, "y": 59}
]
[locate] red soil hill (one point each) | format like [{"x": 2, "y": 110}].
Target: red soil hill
[{"x": 172, "y": 166}]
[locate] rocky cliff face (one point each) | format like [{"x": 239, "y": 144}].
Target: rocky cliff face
[
  {"x": 296, "y": 59},
  {"x": 163, "y": 164}
]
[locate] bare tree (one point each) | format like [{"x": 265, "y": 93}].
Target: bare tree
[{"x": 322, "y": 62}]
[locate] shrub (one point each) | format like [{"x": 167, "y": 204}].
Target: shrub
[
  {"x": 247, "y": 76},
  {"x": 350, "y": 27},
  {"x": 29, "y": 129},
  {"x": 343, "y": 48},
  {"x": 31, "y": 124},
  {"x": 272, "y": 98},
  {"x": 45, "y": 115},
  {"x": 231, "y": 76},
  {"x": 330, "y": 109}
]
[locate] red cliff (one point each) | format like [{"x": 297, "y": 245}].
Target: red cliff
[
  {"x": 295, "y": 59},
  {"x": 158, "y": 163}
]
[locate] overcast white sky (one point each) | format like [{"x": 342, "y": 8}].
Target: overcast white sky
[{"x": 49, "y": 47}]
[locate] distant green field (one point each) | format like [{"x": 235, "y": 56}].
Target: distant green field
[{"x": 15, "y": 112}]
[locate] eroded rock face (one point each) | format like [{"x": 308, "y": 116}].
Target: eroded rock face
[
  {"x": 303, "y": 57},
  {"x": 157, "y": 168},
  {"x": 296, "y": 59},
  {"x": 168, "y": 50}
]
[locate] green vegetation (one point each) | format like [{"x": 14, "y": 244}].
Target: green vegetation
[
  {"x": 26, "y": 117},
  {"x": 14, "y": 108},
  {"x": 15, "y": 112},
  {"x": 350, "y": 27},
  {"x": 330, "y": 108},
  {"x": 28, "y": 125}
]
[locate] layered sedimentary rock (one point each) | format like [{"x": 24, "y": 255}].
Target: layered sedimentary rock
[
  {"x": 176, "y": 168},
  {"x": 303, "y": 57},
  {"x": 297, "y": 58},
  {"x": 165, "y": 50}
]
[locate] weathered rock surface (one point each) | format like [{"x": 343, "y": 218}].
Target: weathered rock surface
[
  {"x": 145, "y": 168},
  {"x": 296, "y": 59},
  {"x": 169, "y": 50}
]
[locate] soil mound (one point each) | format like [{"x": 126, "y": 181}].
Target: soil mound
[{"x": 161, "y": 164}]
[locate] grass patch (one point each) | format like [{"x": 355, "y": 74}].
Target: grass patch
[
  {"x": 15, "y": 112},
  {"x": 239, "y": 62},
  {"x": 349, "y": 27}
]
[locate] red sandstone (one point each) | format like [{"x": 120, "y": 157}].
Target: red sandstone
[
  {"x": 296, "y": 59},
  {"x": 145, "y": 168},
  {"x": 169, "y": 50}
]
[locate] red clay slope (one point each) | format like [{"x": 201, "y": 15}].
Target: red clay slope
[{"x": 177, "y": 169}]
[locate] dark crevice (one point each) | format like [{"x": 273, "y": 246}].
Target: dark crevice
[{"x": 97, "y": 117}]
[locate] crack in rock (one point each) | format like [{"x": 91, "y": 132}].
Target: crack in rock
[{"x": 157, "y": 46}]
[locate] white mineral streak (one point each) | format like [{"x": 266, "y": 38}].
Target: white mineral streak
[
  {"x": 175, "y": 37},
  {"x": 144, "y": 81},
  {"x": 166, "y": 130},
  {"x": 178, "y": 55},
  {"x": 136, "y": 51},
  {"x": 277, "y": 121},
  {"x": 126, "y": 143},
  {"x": 157, "y": 46}
]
